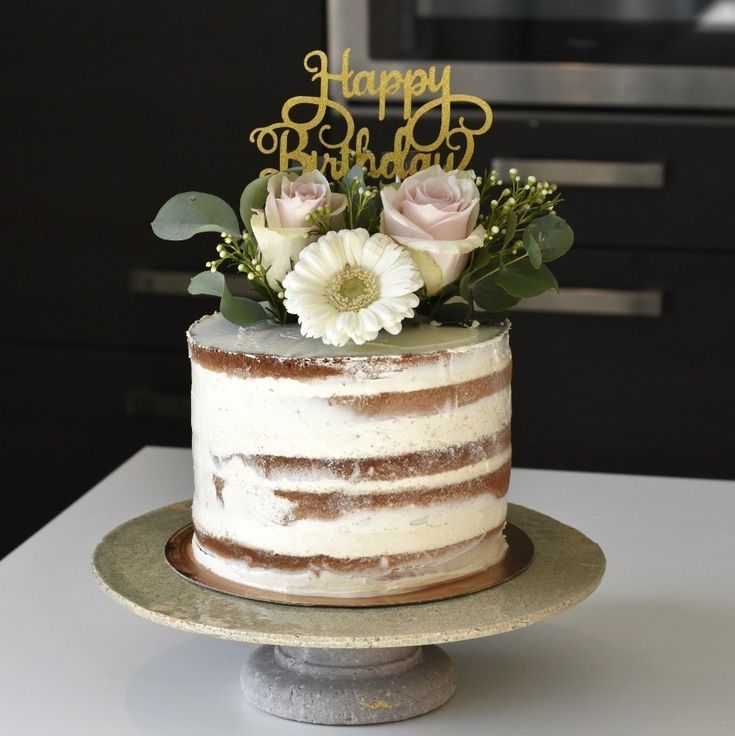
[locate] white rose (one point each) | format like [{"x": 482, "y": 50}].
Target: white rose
[
  {"x": 434, "y": 214},
  {"x": 282, "y": 229}
]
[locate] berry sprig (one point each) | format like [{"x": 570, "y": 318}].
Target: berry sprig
[
  {"x": 514, "y": 207},
  {"x": 242, "y": 251}
]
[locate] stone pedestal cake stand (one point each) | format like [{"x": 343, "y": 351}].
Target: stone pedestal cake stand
[{"x": 346, "y": 665}]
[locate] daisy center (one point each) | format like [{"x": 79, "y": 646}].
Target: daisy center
[{"x": 352, "y": 289}]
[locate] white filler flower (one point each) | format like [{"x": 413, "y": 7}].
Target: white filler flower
[{"x": 349, "y": 285}]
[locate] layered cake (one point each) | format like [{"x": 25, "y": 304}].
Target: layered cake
[
  {"x": 351, "y": 414},
  {"x": 349, "y": 471}
]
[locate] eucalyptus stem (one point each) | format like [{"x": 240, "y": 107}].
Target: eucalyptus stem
[{"x": 499, "y": 269}]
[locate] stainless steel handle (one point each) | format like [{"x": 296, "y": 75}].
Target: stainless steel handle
[
  {"x": 602, "y": 302},
  {"x": 175, "y": 283},
  {"x": 612, "y": 302},
  {"x": 613, "y": 174}
]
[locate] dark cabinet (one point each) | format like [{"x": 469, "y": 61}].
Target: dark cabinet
[
  {"x": 74, "y": 414},
  {"x": 108, "y": 110},
  {"x": 630, "y": 394}
]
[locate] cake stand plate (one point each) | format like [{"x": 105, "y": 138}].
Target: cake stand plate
[{"x": 346, "y": 665}]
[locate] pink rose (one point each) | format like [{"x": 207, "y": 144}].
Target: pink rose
[
  {"x": 291, "y": 198},
  {"x": 282, "y": 229},
  {"x": 434, "y": 214}
]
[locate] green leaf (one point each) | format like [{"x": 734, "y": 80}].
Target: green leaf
[
  {"x": 480, "y": 257},
  {"x": 534, "y": 252},
  {"x": 207, "y": 282},
  {"x": 235, "y": 309},
  {"x": 552, "y": 235},
  {"x": 355, "y": 174},
  {"x": 239, "y": 310},
  {"x": 492, "y": 298},
  {"x": 190, "y": 213},
  {"x": 464, "y": 287},
  {"x": 456, "y": 313},
  {"x": 493, "y": 318},
  {"x": 510, "y": 228},
  {"x": 253, "y": 198},
  {"x": 522, "y": 280}
]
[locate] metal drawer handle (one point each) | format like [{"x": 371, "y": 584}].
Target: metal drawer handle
[
  {"x": 612, "y": 302},
  {"x": 175, "y": 283},
  {"x": 602, "y": 302},
  {"x": 570, "y": 173}
]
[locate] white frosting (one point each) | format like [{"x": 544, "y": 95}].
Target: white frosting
[
  {"x": 280, "y": 421},
  {"x": 286, "y": 340},
  {"x": 362, "y": 533},
  {"x": 235, "y": 417},
  {"x": 238, "y": 474},
  {"x": 472, "y": 558}
]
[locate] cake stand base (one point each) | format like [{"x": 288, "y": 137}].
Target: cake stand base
[
  {"x": 348, "y": 686},
  {"x": 334, "y": 665}
]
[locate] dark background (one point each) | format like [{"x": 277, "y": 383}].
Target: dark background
[{"x": 109, "y": 109}]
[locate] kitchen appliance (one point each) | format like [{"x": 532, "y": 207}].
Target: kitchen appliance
[{"x": 630, "y": 108}]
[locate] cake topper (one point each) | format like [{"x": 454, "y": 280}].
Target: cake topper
[
  {"x": 295, "y": 141},
  {"x": 350, "y": 259}
]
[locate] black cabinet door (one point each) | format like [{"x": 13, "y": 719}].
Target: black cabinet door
[
  {"x": 72, "y": 416},
  {"x": 630, "y": 394},
  {"x": 109, "y": 109}
]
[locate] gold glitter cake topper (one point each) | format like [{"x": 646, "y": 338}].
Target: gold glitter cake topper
[{"x": 295, "y": 141}]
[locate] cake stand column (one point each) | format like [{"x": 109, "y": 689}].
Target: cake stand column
[{"x": 348, "y": 686}]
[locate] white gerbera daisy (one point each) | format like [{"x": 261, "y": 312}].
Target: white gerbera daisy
[{"x": 350, "y": 285}]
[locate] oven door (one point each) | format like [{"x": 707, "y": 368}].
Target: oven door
[{"x": 604, "y": 53}]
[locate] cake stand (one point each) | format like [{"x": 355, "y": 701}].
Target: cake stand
[{"x": 346, "y": 665}]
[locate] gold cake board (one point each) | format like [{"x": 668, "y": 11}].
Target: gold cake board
[
  {"x": 333, "y": 664},
  {"x": 180, "y": 555}
]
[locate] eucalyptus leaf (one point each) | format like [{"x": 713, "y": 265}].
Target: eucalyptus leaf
[
  {"x": 367, "y": 215},
  {"x": 190, "y": 213},
  {"x": 465, "y": 290},
  {"x": 253, "y": 198},
  {"x": 510, "y": 228},
  {"x": 455, "y": 313},
  {"x": 484, "y": 264},
  {"x": 447, "y": 292},
  {"x": 355, "y": 174},
  {"x": 552, "y": 235},
  {"x": 239, "y": 310},
  {"x": 534, "y": 252},
  {"x": 523, "y": 280},
  {"x": 207, "y": 282},
  {"x": 492, "y": 298},
  {"x": 480, "y": 257},
  {"x": 493, "y": 318},
  {"x": 235, "y": 309}
]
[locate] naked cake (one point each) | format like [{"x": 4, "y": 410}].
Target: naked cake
[
  {"x": 327, "y": 472},
  {"x": 351, "y": 414}
]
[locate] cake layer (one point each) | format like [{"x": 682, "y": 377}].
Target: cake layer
[
  {"x": 225, "y": 423},
  {"x": 361, "y": 532},
  {"x": 386, "y": 469},
  {"x": 392, "y": 473},
  {"x": 325, "y": 576}
]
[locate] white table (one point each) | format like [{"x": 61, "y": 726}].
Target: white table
[{"x": 651, "y": 652}]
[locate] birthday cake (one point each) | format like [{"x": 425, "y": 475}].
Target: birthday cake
[
  {"x": 351, "y": 416},
  {"x": 345, "y": 471}
]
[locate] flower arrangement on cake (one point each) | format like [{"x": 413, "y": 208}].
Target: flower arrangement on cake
[
  {"x": 347, "y": 259},
  {"x": 380, "y": 462}
]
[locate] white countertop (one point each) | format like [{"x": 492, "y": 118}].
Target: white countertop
[{"x": 652, "y": 652}]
